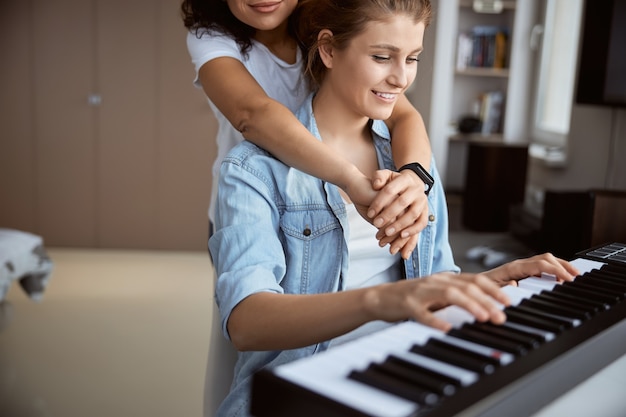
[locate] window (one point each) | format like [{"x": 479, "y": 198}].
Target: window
[{"x": 557, "y": 70}]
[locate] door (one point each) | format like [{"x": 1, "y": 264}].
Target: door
[{"x": 105, "y": 142}]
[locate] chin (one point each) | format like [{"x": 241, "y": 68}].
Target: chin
[{"x": 380, "y": 114}]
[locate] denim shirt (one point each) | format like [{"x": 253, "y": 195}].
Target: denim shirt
[{"x": 280, "y": 230}]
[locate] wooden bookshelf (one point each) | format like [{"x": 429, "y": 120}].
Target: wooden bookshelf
[{"x": 464, "y": 83}]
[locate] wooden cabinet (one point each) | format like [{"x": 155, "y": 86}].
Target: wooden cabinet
[
  {"x": 495, "y": 182},
  {"x": 108, "y": 144}
]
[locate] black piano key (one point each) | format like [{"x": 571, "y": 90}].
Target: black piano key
[
  {"x": 611, "y": 295},
  {"x": 551, "y": 307},
  {"x": 443, "y": 343},
  {"x": 543, "y": 335},
  {"x": 620, "y": 269},
  {"x": 501, "y": 357},
  {"x": 584, "y": 308},
  {"x": 565, "y": 321},
  {"x": 376, "y": 378},
  {"x": 393, "y": 370},
  {"x": 440, "y": 378},
  {"x": 423, "y": 380},
  {"x": 527, "y": 340},
  {"x": 454, "y": 358},
  {"x": 610, "y": 274},
  {"x": 606, "y": 277},
  {"x": 585, "y": 294},
  {"x": 465, "y": 377},
  {"x": 614, "y": 276},
  {"x": 589, "y": 305},
  {"x": 603, "y": 283},
  {"x": 488, "y": 340},
  {"x": 513, "y": 314}
]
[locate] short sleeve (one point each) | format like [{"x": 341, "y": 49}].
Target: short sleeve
[{"x": 209, "y": 45}]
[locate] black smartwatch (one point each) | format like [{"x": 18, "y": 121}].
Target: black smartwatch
[{"x": 422, "y": 173}]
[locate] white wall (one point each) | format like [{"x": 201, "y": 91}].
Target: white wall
[{"x": 596, "y": 150}]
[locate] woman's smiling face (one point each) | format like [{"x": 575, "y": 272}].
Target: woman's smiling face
[
  {"x": 377, "y": 66},
  {"x": 262, "y": 14}
]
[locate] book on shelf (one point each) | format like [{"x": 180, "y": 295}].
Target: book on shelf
[
  {"x": 490, "y": 111},
  {"x": 482, "y": 47}
]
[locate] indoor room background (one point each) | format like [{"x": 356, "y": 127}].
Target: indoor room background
[{"x": 106, "y": 150}]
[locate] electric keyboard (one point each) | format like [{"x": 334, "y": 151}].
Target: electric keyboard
[{"x": 555, "y": 336}]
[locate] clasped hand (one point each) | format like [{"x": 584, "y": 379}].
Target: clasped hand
[{"x": 395, "y": 203}]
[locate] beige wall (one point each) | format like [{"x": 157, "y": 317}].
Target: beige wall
[{"x": 130, "y": 172}]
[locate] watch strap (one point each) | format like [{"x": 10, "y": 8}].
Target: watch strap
[{"x": 421, "y": 172}]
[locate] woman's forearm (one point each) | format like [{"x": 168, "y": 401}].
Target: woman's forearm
[
  {"x": 269, "y": 321},
  {"x": 272, "y": 126},
  {"x": 410, "y": 140}
]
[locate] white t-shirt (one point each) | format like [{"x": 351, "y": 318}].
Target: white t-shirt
[{"x": 281, "y": 81}]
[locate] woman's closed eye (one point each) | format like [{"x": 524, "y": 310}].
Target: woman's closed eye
[
  {"x": 386, "y": 58},
  {"x": 381, "y": 58}
]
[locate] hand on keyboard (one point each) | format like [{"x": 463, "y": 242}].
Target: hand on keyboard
[
  {"x": 417, "y": 298},
  {"x": 510, "y": 273}
]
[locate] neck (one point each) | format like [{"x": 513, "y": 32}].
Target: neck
[
  {"x": 346, "y": 132},
  {"x": 335, "y": 120},
  {"x": 279, "y": 42}
]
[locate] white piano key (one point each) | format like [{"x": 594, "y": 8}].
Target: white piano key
[
  {"x": 351, "y": 393},
  {"x": 407, "y": 334},
  {"x": 586, "y": 265},
  {"x": 517, "y": 294},
  {"x": 537, "y": 284},
  {"x": 327, "y": 373},
  {"x": 454, "y": 315}
]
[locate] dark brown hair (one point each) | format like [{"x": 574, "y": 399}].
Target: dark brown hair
[
  {"x": 202, "y": 15},
  {"x": 345, "y": 19}
]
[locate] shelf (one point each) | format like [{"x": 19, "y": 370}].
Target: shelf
[
  {"x": 492, "y": 139},
  {"x": 506, "y": 4},
  {"x": 477, "y": 137},
  {"x": 483, "y": 72}
]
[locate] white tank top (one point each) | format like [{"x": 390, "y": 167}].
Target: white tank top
[{"x": 369, "y": 265}]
